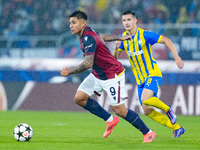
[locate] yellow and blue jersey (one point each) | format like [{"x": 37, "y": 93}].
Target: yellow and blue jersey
[{"x": 139, "y": 54}]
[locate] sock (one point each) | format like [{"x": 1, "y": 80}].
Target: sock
[
  {"x": 93, "y": 107},
  {"x": 133, "y": 118},
  {"x": 162, "y": 119},
  {"x": 154, "y": 101},
  {"x": 149, "y": 131},
  {"x": 110, "y": 119}
]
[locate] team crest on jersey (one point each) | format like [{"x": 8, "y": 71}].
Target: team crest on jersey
[
  {"x": 140, "y": 42},
  {"x": 85, "y": 38},
  {"x": 129, "y": 53}
]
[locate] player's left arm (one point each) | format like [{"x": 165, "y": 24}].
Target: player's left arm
[
  {"x": 116, "y": 53},
  {"x": 109, "y": 38},
  {"x": 85, "y": 65},
  {"x": 170, "y": 45}
]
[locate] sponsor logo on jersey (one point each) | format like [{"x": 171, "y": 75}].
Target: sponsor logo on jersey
[
  {"x": 135, "y": 53},
  {"x": 89, "y": 46}
]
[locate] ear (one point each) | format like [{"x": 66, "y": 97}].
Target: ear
[
  {"x": 135, "y": 20},
  {"x": 83, "y": 23}
]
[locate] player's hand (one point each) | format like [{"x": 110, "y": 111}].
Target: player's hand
[
  {"x": 117, "y": 44},
  {"x": 126, "y": 37},
  {"x": 179, "y": 62},
  {"x": 64, "y": 72}
]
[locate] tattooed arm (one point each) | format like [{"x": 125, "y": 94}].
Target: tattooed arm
[
  {"x": 109, "y": 38},
  {"x": 85, "y": 65}
]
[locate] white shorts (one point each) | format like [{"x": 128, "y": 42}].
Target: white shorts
[{"x": 115, "y": 88}]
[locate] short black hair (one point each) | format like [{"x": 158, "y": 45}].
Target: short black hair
[
  {"x": 129, "y": 12},
  {"x": 79, "y": 14}
]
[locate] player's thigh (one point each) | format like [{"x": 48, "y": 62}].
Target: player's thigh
[
  {"x": 90, "y": 86},
  {"x": 115, "y": 89},
  {"x": 151, "y": 87}
]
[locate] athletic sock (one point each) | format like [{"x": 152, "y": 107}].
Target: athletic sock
[
  {"x": 110, "y": 119},
  {"x": 154, "y": 101},
  {"x": 93, "y": 107},
  {"x": 162, "y": 119},
  {"x": 133, "y": 118}
]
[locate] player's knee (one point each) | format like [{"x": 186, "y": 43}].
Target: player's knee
[
  {"x": 81, "y": 98},
  {"x": 146, "y": 113},
  {"x": 81, "y": 102},
  {"x": 143, "y": 99},
  {"x": 77, "y": 99}
]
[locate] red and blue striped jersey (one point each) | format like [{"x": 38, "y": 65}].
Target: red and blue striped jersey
[{"x": 105, "y": 65}]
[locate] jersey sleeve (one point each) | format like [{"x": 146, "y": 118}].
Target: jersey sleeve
[
  {"x": 121, "y": 47},
  {"x": 90, "y": 45},
  {"x": 152, "y": 37}
]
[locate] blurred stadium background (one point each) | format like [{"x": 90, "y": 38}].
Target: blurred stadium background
[{"x": 35, "y": 43}]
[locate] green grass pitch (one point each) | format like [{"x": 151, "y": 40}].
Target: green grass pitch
[{"x": 84, "y": 131}]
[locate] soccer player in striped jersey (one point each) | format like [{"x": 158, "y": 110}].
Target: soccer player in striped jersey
[
  {"x": 147, "y": 74},
  {"x": 107, "y": 75}
]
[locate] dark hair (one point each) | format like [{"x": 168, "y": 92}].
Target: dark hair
[
  {"x": 129, "y": 12},
  {"x": 79, "y": 14}
]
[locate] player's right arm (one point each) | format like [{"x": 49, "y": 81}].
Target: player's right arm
[
  {"x": 85, "y": 65},
  {"x": 90, "y": 48},
  {"x": 116, "y": 53}
]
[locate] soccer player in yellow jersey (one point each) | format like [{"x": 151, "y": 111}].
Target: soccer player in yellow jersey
[{"x": 147, "y": 74}]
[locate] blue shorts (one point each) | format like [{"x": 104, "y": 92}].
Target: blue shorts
[{"x": 151, "y": 83}]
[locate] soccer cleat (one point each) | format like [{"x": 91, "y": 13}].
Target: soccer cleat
[
  {"x": 171, "y": 115},
  {"x": 149, "y": 137},
  {"x": 179, "y": 132},
  {"x": 110, "y": 126}
]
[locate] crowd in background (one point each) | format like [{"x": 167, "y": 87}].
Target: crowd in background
[{"x": 48, "y": 17}]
